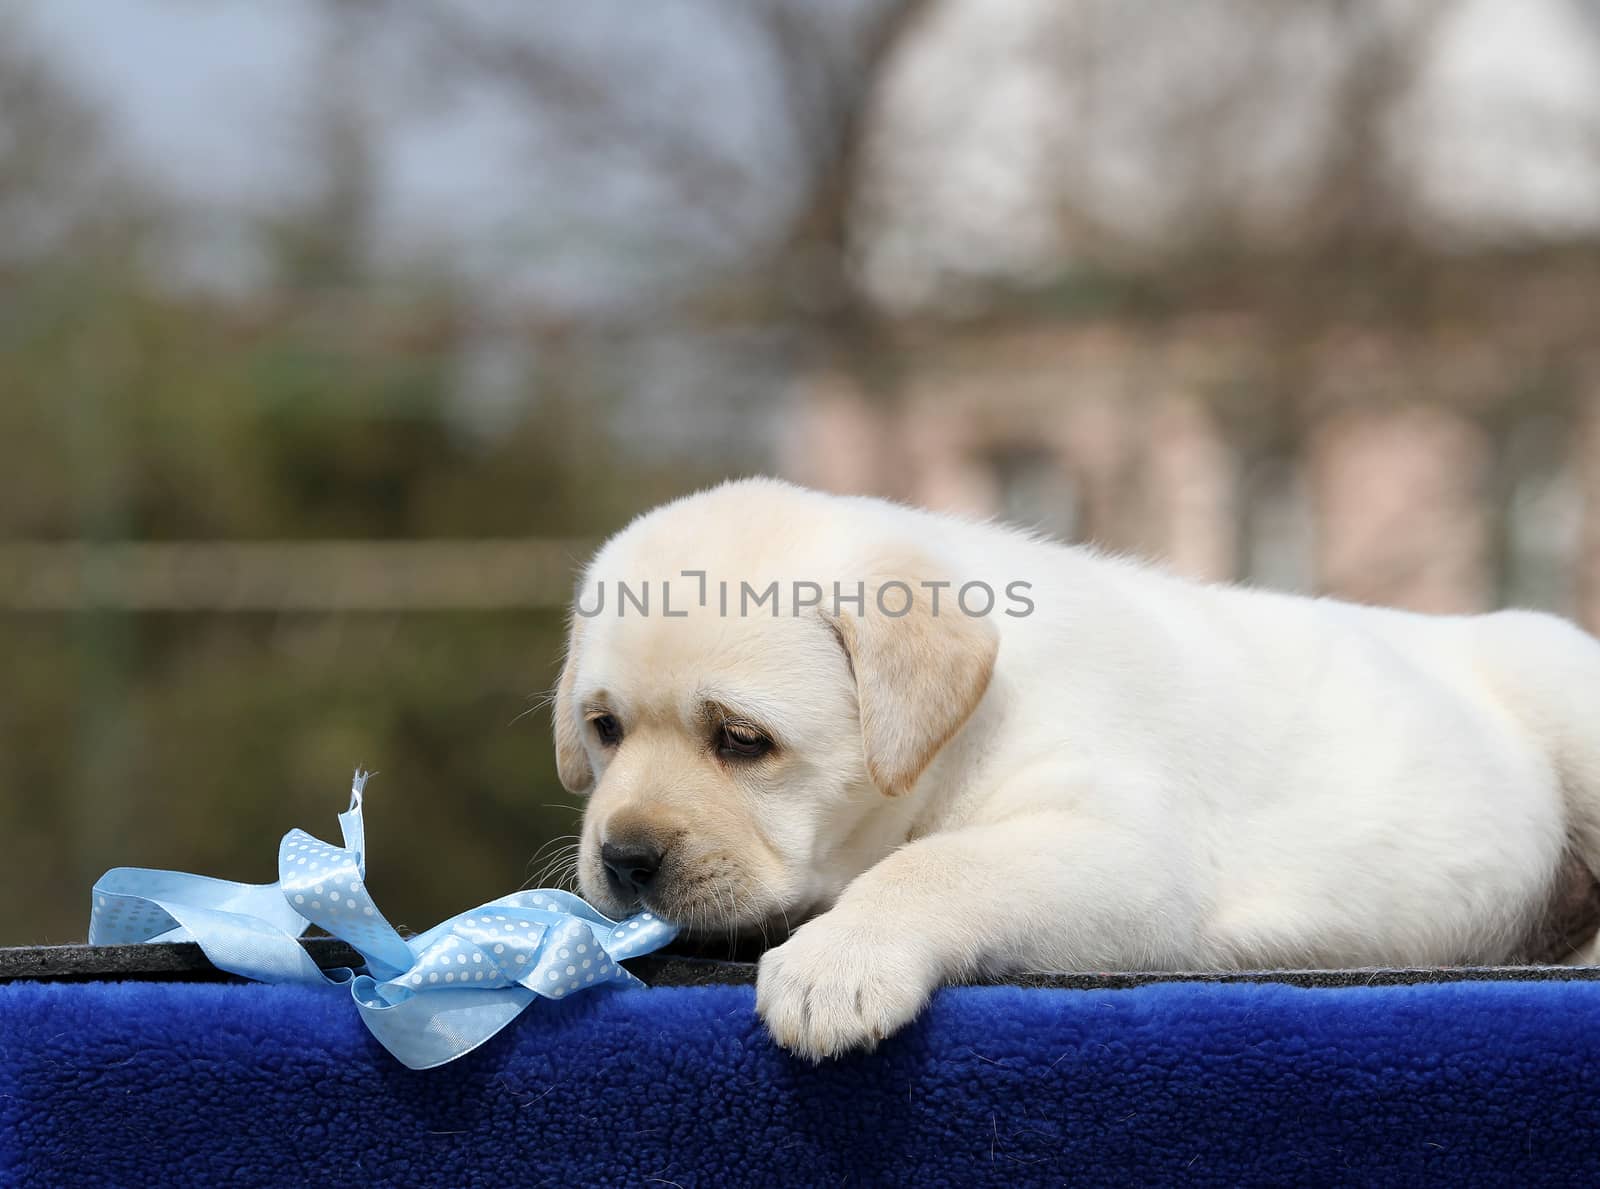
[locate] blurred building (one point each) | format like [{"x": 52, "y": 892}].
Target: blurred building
[
  {"x": 1445, "y": 469},
  {"x": 1303, "y": 295}
]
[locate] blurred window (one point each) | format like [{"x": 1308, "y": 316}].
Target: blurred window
[
  {"x": 1543, "y": 516},
  {"x": 1036, "y": 490},
  {"x": 1279, "y": 529}
]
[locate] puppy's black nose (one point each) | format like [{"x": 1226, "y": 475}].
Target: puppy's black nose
[{"x": 631, "y": 868}]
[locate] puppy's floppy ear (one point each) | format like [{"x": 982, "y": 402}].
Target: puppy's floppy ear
[
  {"x": 572, "y": 761},
  {"x": 919, "y": 676}
]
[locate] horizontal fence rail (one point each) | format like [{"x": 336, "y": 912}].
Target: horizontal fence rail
[{"x": 309, "y": 576}]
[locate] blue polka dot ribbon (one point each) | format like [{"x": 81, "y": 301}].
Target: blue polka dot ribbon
[{"x": 428, "y": 999}]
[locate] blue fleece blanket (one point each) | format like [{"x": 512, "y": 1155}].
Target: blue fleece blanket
[{"x": 205, "y": 1084}]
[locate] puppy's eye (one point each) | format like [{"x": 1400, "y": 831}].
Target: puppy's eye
[
  {"x": 737, "y": 741},
  {"x": 607, "y": 729}
]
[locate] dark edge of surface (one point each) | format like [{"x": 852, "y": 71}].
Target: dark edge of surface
[{"x": 184, "y": 962}]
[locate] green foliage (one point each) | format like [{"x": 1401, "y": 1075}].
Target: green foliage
[{"x": 194, "y": 741}]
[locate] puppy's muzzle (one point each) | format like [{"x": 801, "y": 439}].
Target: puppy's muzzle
[{"x": 631, "y": 868}]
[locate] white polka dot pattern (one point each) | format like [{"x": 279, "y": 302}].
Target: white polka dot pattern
[{"x": 545, "y": 943}]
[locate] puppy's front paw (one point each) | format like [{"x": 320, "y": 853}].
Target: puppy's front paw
[{"x": 840, "y": 984}]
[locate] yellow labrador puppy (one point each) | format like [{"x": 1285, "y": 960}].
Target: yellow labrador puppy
[{"x": 957, "y": 750}]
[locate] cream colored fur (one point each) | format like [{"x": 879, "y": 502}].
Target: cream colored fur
[{"x": 1143, "y": 773}]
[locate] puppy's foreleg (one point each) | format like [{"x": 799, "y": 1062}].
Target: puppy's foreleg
[{"x": 1041, "y": 892}]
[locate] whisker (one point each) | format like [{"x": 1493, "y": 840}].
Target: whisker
[
  {"x": 543, "y": 874},
  {"x": 561, "y": 873},
  {"x": 568, "y": 879},
  {"x": 777, "y": 902},
  {"x": 761, "y": 924},
  {"x": 553, "y": 842},
  {"x": 564, "y": 852},
  {"x": 540, "y": 701}
]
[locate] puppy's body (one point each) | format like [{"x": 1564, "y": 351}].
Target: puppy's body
[
  {"x": 1318, "y": 783},
  {"x": 1142, "y": 772}
]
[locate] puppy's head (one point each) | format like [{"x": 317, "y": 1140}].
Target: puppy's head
[{"x": 744, "y": 752}]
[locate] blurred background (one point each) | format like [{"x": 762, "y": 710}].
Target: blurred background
[{"x": 334, "y": 334}]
